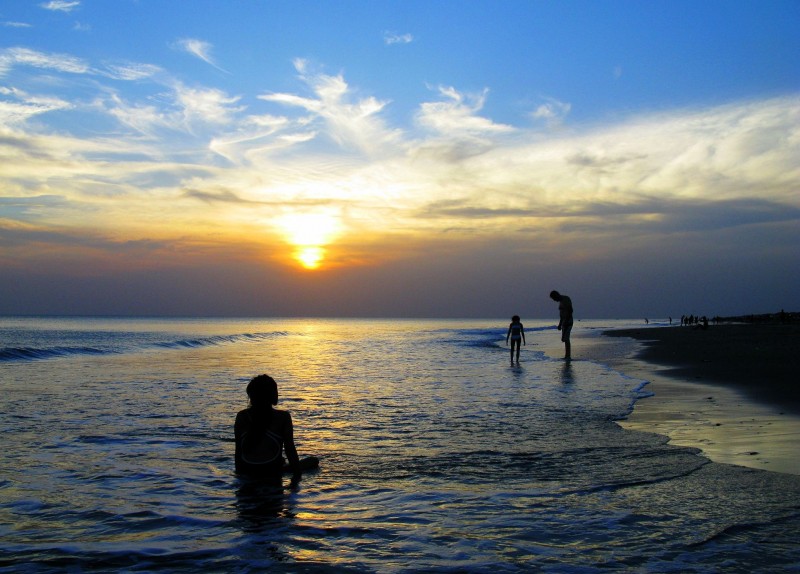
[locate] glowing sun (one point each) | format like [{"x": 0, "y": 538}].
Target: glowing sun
[
  {"x": 310, "y": 257},
  {"x": 310, "y": 233}
]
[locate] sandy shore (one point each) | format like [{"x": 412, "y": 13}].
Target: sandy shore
[{"x": 730, "y": 390}]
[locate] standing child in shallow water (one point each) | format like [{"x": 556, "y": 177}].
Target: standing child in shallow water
[{"x": 516, "y": 332}]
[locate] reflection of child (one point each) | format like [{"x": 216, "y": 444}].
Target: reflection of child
[
  {"x": 516, "y": 332},
  {"x": 262, "y": 432}
]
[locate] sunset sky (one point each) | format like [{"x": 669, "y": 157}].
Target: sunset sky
[{"x": 400, "y": 159}]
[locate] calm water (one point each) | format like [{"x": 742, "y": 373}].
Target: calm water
[{"x": 116, "y": 453}]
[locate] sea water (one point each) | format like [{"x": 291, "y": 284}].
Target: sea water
[{"x": 437, "y": 455}]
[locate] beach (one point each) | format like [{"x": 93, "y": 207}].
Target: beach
[{"x": 729, "y": 390}]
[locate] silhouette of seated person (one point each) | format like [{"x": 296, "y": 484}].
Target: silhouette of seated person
[{"x": 263, "y": 433}]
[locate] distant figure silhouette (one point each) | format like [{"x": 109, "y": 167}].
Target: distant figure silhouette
[
  {"x": 564, "y": 320},
  {"x": 516, "y": 332},
  {"x": 263, "y": 433}
]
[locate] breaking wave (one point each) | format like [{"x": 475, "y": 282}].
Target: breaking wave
[{"x": 32, "y": 353}]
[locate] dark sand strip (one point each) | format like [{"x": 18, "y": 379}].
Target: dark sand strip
[
  {"x": 760, "y": 360},
  {"x": 730, "y": 390}
]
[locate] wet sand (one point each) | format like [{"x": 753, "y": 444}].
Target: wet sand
[{"x": 730, "y": 390}]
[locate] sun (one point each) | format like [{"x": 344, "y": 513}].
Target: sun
[
  {"x": 310, "y": 233},
  {"x": 310, "y": 257}
]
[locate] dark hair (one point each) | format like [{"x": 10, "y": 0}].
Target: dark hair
[
  {"x": 515, "y": 318},
  {"x": 555, "y": 295},
  {"x": 263, "y": 391}
]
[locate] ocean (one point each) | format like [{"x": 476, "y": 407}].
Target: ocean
[{"x": 437, "y": 455}]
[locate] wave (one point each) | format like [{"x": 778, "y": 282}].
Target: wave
[
  {"x": 8, "y": 354},
  {"x": 487, "y": 337},
  {"x": 31, "y": 354},
  {"x": 217, "y": 340}
]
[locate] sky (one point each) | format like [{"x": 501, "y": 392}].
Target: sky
[{"x": 399, "y": 159}]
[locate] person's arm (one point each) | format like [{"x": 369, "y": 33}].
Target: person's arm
[
  {"x": 238, "y": 431},
  {"x": 522, "y": 331},
  {"x": 291, "y": 449}
]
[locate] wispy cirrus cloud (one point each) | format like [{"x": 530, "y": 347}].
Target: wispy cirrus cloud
[
  {"x": 390, "y": 38},
  {"x": 180, "y": 111},
  {"x": 16, "y": 25},
  {"x": 17, "y": 56},
  {"x": 349, "y": 121},
  {"x": 132, "y": 71},
  {"x": 206, "y": 105},
  {"x": 199, "y": 49},
  {"x": 17, "y": 106},
  {"x": 61, "y": 5},
  {"x": 458, "y": 113}
]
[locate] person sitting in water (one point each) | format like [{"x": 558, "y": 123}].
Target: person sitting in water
[
  {"x": 263, "y": 433},
  {"x": 516, "y": 332}
]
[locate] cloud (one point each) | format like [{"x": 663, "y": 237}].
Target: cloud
[
  {"x": 132, "y": 71},
  {"x": 390, "y": 38},
  {"x": 206, "y": 105},
  {"x": 167, "y": 161},
  {"x": 145, "y": 119},
  {"x": 181, "y": 111},
  {"x": 11, "y": 57},
  {"x": 634, "y": 215},
  {"x": 350, "y": 121},
  {"x": 60, "y": 5},
  {"x": 260, "y": 135},
  {"x": 552, "y": 111},
  {"x": 458, "y": 115},
  {"x": 16, "y": 25},
  {"x": 17, "y": 106},
  {"x": 214, "y": 196},
  {"x": 198, "y": 48}
]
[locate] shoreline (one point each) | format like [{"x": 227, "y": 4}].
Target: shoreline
[
  {"x": 760, "y": 360},
  {"x": 728, "y": 390}
]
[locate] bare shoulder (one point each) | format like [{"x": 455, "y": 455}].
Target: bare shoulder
[{"x": 283, "y": 416}]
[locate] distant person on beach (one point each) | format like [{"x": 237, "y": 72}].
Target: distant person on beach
[
  {"x": 263, "y": 433},
  {"x": 516, "y": 332},
  {"x": 564, "y": 320}
]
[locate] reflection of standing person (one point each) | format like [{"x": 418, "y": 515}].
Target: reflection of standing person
[
  {"x": 516, "y": 332},
  {"x": 263, "y": 433},
  {"x": 564, "y": 319}
]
